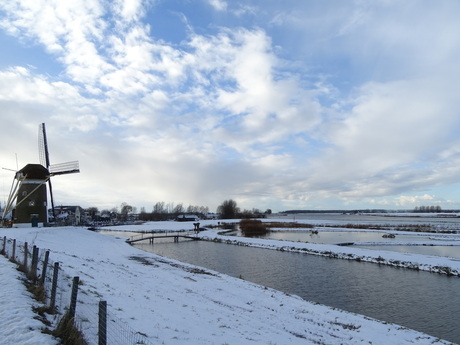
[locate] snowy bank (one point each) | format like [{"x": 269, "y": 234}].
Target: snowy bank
[{"x": 175, "y": 303}]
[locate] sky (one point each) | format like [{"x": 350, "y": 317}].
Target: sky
[{"x": 276, "y": 105}]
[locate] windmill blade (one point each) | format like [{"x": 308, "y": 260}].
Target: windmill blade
[
  {"x": 43, "y": 146},
  {"x": 64, "y": 168}
]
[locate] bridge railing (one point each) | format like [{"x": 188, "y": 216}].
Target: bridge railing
[{"x": 159, "y": 234}]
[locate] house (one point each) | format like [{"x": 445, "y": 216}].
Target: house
[
  {"x": 187, "y": 218},
  {"x": 69, "y": 215}
]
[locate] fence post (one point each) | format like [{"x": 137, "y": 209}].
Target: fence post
[
  {"x": 45, "y": 266},
  {"x": 34, "y": 265},
  {"x": 13, "y": 256},
  {"x": 4, "y": 246},
  {"x": 102, "y": 330},
  {"x": 25, "y": 255},
  {"x": 54, "y": 286},
  {"x": 73, "y": 298}
]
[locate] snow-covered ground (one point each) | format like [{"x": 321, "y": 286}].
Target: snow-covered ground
[
  {"x": 175, "y": 303},
  {"x": 17, "y": 322}
]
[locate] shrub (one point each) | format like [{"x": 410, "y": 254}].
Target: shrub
[{"x": 252, "y": 227}]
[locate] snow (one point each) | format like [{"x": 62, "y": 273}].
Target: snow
[
  {"x": 17, "y": 323},
  {"x": 176, "y": 303}
]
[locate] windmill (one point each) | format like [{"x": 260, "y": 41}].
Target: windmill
[
  {"x": 55, "y": 169},
  {"x": 29, "y": 186}
]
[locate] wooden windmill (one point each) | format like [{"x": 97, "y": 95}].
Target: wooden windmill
[{"x": 29, "y": 186}]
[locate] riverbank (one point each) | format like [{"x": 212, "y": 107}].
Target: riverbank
[{"x": 175, "y": 303}]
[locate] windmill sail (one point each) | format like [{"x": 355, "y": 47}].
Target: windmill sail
[
  {"x": 64, "y": 168},
  {"x": 43, "y": 146},
  {"x": 53, "y": 169}
]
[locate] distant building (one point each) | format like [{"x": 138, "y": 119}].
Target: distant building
[
  {"x": 187, "y": 218},
  {"x": 211, "y": 216},
  {"x": 69, "y": 215}
]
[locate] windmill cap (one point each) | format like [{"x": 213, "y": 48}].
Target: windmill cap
[{"x": 34, "y": 172}]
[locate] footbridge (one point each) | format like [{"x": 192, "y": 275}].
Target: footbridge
[{"x": 151, "y": 236}]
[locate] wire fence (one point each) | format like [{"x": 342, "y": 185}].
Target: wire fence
[{"x": 61, "y": 296}]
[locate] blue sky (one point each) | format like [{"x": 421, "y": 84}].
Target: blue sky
[{"x": 281, "y": 105}]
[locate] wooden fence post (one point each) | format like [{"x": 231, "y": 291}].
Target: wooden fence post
[
  {"x": 73, "y": 298},
  {"x": 26, "y": 253},
  {"x": 44, "y": 268},
  {"x": 13, "y": 256},
  {"x": 34, "y": 264},
  {"x": 54, "y": 286},
  {"x": 102, "y": 329}
]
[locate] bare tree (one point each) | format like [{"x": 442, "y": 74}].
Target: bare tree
[{"x": 228, "y": 209}]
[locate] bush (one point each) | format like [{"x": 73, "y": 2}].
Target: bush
[{"x": 253, "y": 227}]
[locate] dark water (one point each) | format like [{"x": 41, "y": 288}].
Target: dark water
[{"x": 423, "y": 301}]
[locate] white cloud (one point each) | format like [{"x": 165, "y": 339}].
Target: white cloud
[
  {"x": 218, "y": 5},
  {"x": 129, "y": 10},
  {"x": 405, "y": 200},
  {"x": 242, "y": 111}
]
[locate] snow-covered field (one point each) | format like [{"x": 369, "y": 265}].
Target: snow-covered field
[{"x": 175, "y": 303}]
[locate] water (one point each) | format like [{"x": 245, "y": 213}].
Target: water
[
  {"x": 335, "y": 237},
  {"x": 422, "y": 301},
  {"x": 446, "y": 251},
  {"x": 330, "y": 218}
]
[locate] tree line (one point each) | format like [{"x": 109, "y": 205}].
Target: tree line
[
  {"x": 230, "y": 210},
  {"x": 161, "y": 210},
  {"x": 427, "y": 209},
  {"x": 168, "y": 211}
]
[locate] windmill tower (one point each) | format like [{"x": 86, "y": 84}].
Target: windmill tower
[
  {"x": 31, "y": 201},
  {"x": 29, "y": 186}
]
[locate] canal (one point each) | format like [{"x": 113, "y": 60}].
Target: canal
[{"x": 423, "y": 301}]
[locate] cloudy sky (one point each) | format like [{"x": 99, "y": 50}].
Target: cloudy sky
[{"x": 274, "y": 104}]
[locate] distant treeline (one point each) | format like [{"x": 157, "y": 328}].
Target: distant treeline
[
  {"x": 168, "y": 211},
  {"x": 417, "y": 209},
  {"x": 338, "y": 211}
]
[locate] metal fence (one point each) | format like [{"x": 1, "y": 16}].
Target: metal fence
[{"x": 90, "y": 315}]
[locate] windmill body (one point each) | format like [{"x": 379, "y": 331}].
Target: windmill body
[{"x": 31, "y": 199}]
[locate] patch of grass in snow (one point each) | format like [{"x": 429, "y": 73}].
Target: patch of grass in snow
[
  {"x": 41, "y": 316},
  {"x": 142, "y": 260},
  {"x": 68, "y": 332},
  {"x": 37, "y": 291}
]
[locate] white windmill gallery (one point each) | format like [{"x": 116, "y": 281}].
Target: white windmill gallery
[{"x": 27, "y": 202}]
